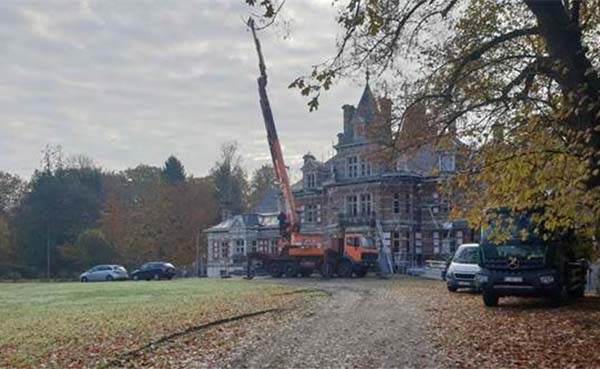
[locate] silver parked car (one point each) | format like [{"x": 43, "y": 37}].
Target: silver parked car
[{"x": 105, "y": 273}]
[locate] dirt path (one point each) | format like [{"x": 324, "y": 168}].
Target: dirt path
[{"x": 366, "y": 323}]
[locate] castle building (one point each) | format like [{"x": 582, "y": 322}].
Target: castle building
[{"x": 354, "y": 189}]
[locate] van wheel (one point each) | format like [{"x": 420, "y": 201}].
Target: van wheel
[
  {"x": 490, "y": 298},
  {"x": 84, "y": 279},
  {"x": 109, "y": 278}
]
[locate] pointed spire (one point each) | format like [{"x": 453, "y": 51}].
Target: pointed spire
[{"x": 367, "y": 106}]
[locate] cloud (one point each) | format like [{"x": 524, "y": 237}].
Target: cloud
[{"x": 127, "y": 82}]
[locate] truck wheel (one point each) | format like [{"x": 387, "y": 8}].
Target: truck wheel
[
  {"x": 361, "y": 272},
  {"x": 344, "y": 269},
  {"x": 275, "y": 270},
  {"x": 306, "y": 272},
  {"x": 452, "y": 288},
  {"x": 327, "y": 270},
  {"x": 490, "y": 298},
  {"x": 290, "y": 270},
  {"x": 578, "y": 293}
]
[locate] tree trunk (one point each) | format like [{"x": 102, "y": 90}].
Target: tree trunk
[{"x": 561, "y": 31}]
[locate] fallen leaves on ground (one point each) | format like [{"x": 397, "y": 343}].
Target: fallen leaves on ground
[
  {"x": 520, "y": 333},
  {"x": 156, "y": 326}
]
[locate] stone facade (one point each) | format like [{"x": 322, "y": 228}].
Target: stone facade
[
  {"x": 354, "y": 188},
  {"x": 231, "y": 240},
  {"x": 351, "y": 190}
]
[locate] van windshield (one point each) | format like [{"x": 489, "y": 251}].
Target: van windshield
[{"x": 467, "y": 255}]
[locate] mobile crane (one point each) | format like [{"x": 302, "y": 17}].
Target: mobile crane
[{"x": 301, "y": 254}]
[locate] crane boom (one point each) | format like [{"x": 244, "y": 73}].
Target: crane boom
[
  {"x": 274, "y": 146},
  {"x": 301, "y": 253}
]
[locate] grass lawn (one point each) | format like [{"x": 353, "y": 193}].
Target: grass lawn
[{"x": 77, "y": 325}]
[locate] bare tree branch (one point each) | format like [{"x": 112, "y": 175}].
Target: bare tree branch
[{"x": 482, "y": 49}]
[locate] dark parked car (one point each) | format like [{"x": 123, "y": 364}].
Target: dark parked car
[{"x": 154, "y": 270}]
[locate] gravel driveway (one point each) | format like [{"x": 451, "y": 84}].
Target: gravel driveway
[{"x": 363, "y": 323}]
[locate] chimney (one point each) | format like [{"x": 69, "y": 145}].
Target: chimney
[
  {"x": 385, "y": 107},
  {"x": 348, "y": 129}
]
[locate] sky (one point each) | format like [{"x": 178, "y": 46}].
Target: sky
[{"x": 127, "y": 82}]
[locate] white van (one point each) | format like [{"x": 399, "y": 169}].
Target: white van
[{"x": 463, "y": 267}]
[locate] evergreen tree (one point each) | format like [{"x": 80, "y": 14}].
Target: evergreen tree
[
  {"x": 60, "y": 205},
  {"x": 173, "y": 171}
]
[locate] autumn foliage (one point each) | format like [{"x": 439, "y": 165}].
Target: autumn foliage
[
  {"x": 74, "y": 215},
  {"x": 516, "y": 81}
]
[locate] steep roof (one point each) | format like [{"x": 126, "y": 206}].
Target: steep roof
[
  {"x": 247, "y": 221},
  {"x": 367, "y": 106}
]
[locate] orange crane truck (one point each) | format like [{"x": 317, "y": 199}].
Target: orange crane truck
[{"x": 301, "y": 254}]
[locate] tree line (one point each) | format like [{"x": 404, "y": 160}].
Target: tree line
[{"x": 72, "y": 214}]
